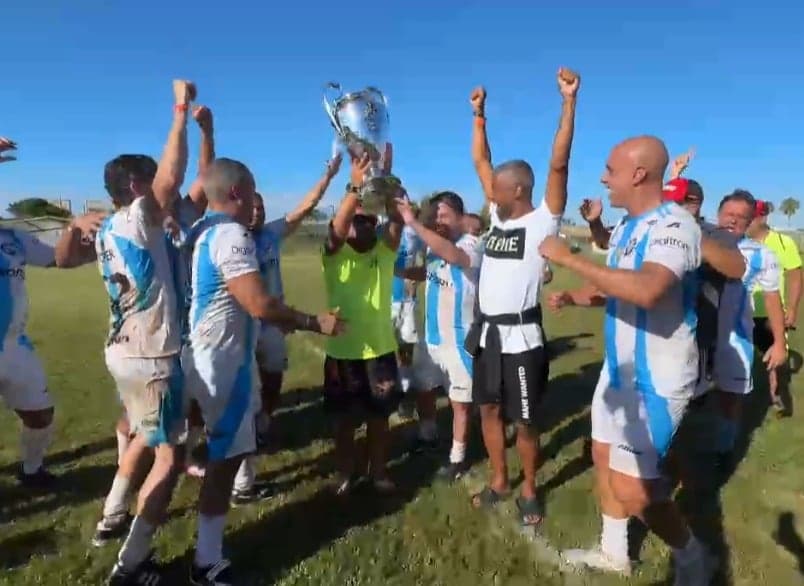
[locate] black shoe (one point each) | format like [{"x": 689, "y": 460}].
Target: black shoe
[
  {"x": 108, "y": 530},
  {"x": 218, "y": 575},
  {"x": 423, "y": 446},
  {"x": 258, "y": 492},
  {"x": 145, "y": 574},
  {"x": 39, "y": 480},
  {"x": 452, "y": 471}
]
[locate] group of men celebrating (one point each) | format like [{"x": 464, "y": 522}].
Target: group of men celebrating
[{"x": 198, "y": 325}]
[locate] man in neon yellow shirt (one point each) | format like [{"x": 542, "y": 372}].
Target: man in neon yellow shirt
[
  {"x": 790, "y": 286},
  {"x": 361, "y": 379}
]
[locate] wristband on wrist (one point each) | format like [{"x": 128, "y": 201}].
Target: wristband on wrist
[{"x": 181, "y": 108}]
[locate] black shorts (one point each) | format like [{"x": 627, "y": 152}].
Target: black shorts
[
  {"x": 763, "y": 336},
  {"x": 365, "y": 387},
  {"x": 524, "y": 381}
]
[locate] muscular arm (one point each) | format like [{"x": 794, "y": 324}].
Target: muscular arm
[
  {"x": 205, "y": 158},
  {"x": 481, "y": 154},
  {"x": 729, "y": 262},
  {"x": 173, "y": 164},
  {"x": 250, "y": 293},
  {"x": 558, "y": 171},
  {"x": 339, "y": 228},
  {"x": 643, "y": 288},
  {"x": 307, "y": 205}
]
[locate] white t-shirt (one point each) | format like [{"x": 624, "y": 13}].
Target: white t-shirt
[
  {"x": 137, "y": 270},
  {"x": 18, "y": 248},
  {"x": 512, "y": 272},
  {"x": 222, "y": 250},
  {"x": 654, "y": 350},
  {"x": 736, "y": 312},
  {"x": 451, "y": 295}
]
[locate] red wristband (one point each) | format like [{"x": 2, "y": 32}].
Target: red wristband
[
  {"x": 480, "y": 121},
  {"x": 181, "y": 108}
]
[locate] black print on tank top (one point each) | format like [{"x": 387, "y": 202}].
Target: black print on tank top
[{"x": 506, "y": 243}]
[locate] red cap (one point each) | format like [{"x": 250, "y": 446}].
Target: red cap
[
  {"x": 676, "y": 190},
  {"x": 761, "y": 209}
]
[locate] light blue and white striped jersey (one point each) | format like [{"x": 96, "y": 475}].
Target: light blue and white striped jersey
[
  {"x": 269, "y": 247},
  {"x": 653, "y": 351},
  {"x": 222, "y": 250},
  {"x": 185, "y": 215},
  {"x": 17, "y": 249},
  {"x": 736, "y": 311},
  {"x": 451, "y": 295},
  {"x": 410, "y": 245},
  {"x": 137, "y": 270}
]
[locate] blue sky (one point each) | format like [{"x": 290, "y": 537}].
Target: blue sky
[{"x": 82, "y": 84}]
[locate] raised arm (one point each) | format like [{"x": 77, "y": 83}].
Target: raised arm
[
  {"x": 203, "y": 116},
  {"x": 307, "y": 205},
  {"x": 481, "y": 153},
  {"x": 438, "y": 245},
  {"x": 392, "y": 231},
  {"x": 75, "y": 246},
  {"x": 173, "y": 164},
  {"x": 680, "y": 164},
  {"x": 339, "y": 228},
  {"x": 558, "y": 172},
  {"x": 592, "y": 211}
]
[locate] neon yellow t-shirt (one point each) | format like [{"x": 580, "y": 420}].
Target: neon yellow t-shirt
[
  {"x": 360, "y": 284},
  {"x": 786, "y": 251}
]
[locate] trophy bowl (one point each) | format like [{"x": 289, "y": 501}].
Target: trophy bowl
[{"x": 361, "y": 124}]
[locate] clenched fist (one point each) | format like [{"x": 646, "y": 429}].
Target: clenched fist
[
  {"x": 478, "y": 100},
  {"x": 568, "y": 82},
  {"x": 203, "y": 116},
  {"x": 591, "y": 210},
  {"x": 183, "y": 91}
]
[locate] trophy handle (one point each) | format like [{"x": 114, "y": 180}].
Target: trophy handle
[
  {"x": 329, "y": 106},
  {"x": 382, "y": 97}
]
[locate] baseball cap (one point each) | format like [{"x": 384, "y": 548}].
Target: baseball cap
[
  {"x": 680, "y": 190},
  {"x": 762, "y": 209}
]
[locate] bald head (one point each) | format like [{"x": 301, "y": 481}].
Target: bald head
[
  {"x": 518, "y": 173},
  {"x": 224, "y": 178},
  {"x": 647, "y": 153}
]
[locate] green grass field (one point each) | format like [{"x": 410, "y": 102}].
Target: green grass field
[{"x": 427, "y": 534}]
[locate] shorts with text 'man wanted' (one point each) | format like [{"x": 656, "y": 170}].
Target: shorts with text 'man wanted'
[{"x": 524, "y": 382}]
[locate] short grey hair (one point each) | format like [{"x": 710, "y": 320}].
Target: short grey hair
[
  {"x": 222, "y": 176},
  {"x": 520, "y": 171}
]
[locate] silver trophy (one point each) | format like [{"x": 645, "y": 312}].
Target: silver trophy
[{"x": 361, "y": 125}]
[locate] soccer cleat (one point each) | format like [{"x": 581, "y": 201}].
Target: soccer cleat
[
  {"x": 145, "y": 574},
  {"x": 110, "y": 529},
  {"x": 596, "y": 559},
  {"x": 452, "y": 471},
  {"x": 218, "y": 575},
  {"x": 39, "y": 480},
  {"x": 697, "y": 572},
  {"x": 258, "y": 492}
]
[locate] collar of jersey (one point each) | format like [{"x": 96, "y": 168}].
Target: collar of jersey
[{"x": 663, "y": 206}]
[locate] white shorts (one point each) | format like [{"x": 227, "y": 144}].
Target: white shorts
[
  {"x": 152, "y": 392},
  {"x": 443, "y": 366},
  {"x": 403, "y": 316},
  {"x": 23, "y": 384},
  {"x": 225, "y": 383},
  {"x": 272, "y": 351},
  {"x": 638, "y": 427}
]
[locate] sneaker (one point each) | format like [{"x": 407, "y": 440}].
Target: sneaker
[
  {"x": 145, "y": 574},
  {"x": 39, "y": 480},
  {"x": 258, "y": 492},
  {"x": 452, "y": 471},
  {"x": 596, "y": 559},
  {"x": 423, "y": 446},
  {"x": 110, "y": 529},
  {"x": 218, "y": 575},
  {"x": 697, "y": 572}
]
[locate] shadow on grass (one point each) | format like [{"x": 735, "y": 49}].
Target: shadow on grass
[
  {"x": 787, "y": 537},
  {"x": 17, "y": 550},
  {"x": 71, "y": 455}
]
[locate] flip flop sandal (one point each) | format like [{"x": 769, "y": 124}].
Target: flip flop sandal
[
  {"x": 530, "y": 511},
  {"x": 488, "y": 498}
]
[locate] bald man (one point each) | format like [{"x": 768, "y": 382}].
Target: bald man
[
  {"x": 228, "y": 299},
  {"x": 510, "y": 365},
  {"x": 651, "y": 364}
]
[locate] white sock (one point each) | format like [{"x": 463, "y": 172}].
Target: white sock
[
  {"x": 116, "y": 504},
  {"x": 138, "y": 543},
  {"x": 614, "y": 538},
  {"x": 427, "y": 429},
  {"x": 34, "y": 444},
  {"x": 458, "y": 452},
  {"x": 404, "y": 378},
  {"x": 209, "y": 550},
  {"x": 244, "y": 479},
  {"x": 122, "y": 444},
  {"x": 689, "y": 552}
]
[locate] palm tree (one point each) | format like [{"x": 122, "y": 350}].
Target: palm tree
[{"x": 789, "y": 207}]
